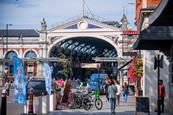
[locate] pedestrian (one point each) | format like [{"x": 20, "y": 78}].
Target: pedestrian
[
  {"x": 7, "y": 87},
  {"x": 118, "y": 92},
  {"x": 107, "y": 82},
  {"x": 31, "y": 99},
  {"x": 11, "y": 82},
  {"x": 3, "y": 79},
  {"x": 53, "y": 91},
  {"x": 112, "y": 90},
  {"x": 3, "y": 106},
  {"x": 125, "y": 91},
  {"x": 161, "y": 95}
]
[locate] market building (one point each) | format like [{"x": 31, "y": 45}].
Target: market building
[{"x": 83, "y": 40}]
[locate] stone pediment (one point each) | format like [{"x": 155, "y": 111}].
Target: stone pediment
[{"x": 83, "y": 24}]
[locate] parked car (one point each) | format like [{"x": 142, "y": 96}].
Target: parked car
[{"x": 38, "y": 86}]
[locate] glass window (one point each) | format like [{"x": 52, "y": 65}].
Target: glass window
[
  {"x": 10, "y": 54},
  {"x": 11, "y": 70},
  {"x": 30, "y": 54}
]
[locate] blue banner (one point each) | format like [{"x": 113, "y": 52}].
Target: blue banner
[
  {"x": 48, "y": 78},
  {"x": 19, "y": 81}
]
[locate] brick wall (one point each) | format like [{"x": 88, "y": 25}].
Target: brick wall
[{"x": 153, "y": 3}]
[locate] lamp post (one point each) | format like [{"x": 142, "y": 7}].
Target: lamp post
[
  {"x": 2, "y": 39},
  {"x": 6, "y": 61},
  {"x": 7, "y": 35},
  {"x": 21, "y": 46}
]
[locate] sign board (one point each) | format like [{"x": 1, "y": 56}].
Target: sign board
[
  {"x": 130, "y": 53},
  {"x": 142, "y": 104},
  {"x": 130, "y": 33},
  {"x": 90, "y": 65}
]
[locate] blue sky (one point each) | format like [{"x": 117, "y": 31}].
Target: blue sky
[{"x": 29, "y": 13}]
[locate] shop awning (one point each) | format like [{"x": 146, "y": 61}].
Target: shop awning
[
  {"x": 155, "y": 38},
  {"x": 159, "y": 34}
]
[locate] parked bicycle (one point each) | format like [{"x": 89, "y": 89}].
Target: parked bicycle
[
  {"x": 76, "y": 99},
  {"x": 92, "y": 100}
]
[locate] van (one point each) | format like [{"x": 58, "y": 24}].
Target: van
[{"x": 96, "y": 81}]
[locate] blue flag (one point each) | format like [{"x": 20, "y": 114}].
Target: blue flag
[
  {"x": 48, "y": 78},
  {"x": 19, "y": 81}
]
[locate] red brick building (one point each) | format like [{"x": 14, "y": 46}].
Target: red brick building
[{"x": 144, "y": 8}]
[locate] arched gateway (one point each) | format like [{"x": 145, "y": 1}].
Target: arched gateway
[
  {"x": 83, "y": 40},
  {"x": 85, "y": 28}
]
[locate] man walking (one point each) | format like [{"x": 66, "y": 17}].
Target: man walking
[
  {"x": 161, "y": 95},
  {"x": 112, "y": 90}
]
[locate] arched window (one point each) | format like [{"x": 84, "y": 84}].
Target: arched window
[
  {"x": 30, "y": 55},
  {"x": 10, "y": 54}
]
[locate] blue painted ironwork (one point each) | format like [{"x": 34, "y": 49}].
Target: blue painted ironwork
[
  {"x": 72, "y": 27},
  {"x": 91, "y": 26}
]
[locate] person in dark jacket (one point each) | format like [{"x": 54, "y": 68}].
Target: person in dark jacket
[{"x": 106, "y": 89}]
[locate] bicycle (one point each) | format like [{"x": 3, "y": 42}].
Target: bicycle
[{"x": 91, "y": 100}]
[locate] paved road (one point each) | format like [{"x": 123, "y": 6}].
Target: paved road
[{"x": 124, "y": 107}]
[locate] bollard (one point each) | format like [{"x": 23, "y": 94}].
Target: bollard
[
  {"x": 51, "y": 103},
  {"x": 37, "y": 105},
  {"x": 44, "y": 104},
  {"x": 31, "y": 97},
  {"x": 4, "y": 103}
]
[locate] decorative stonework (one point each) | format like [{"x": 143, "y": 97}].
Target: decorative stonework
[
  {"x": 83, "y": 25},
  {"x": 53, "y": 39},
  {"x": 113, "y": 38},
  {"x": 43, "y": 25}
]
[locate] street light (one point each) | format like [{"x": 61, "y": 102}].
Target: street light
[
  {"x": 6, "y": 61},
  {"x": 21, "y": 37},
  {"x": 7, "y": 35}
]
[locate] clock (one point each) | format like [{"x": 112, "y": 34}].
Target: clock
[{"x": 83, "y": 25}]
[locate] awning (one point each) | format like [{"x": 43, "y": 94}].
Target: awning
[
  {"x": 159, "y": 34},
  {"x": 155, "y": 38}
]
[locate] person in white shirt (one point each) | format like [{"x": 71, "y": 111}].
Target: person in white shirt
[{"x": 118, "y": 92}]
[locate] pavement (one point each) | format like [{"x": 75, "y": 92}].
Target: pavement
[{"x": 125, "y": 108}]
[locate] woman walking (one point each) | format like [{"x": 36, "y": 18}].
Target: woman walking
[{"x": 125, "y": 91}]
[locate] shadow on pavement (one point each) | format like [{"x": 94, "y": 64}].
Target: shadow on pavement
[{"x": 90, "y": 113}]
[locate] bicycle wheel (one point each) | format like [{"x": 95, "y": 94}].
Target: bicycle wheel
[
  {"x": 98, "y": 104},
  {"x": 78, "y": 103},
  {"x": 86, "y": 103}
]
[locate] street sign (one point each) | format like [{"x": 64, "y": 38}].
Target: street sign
[{"x": 158, "y": 62}]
